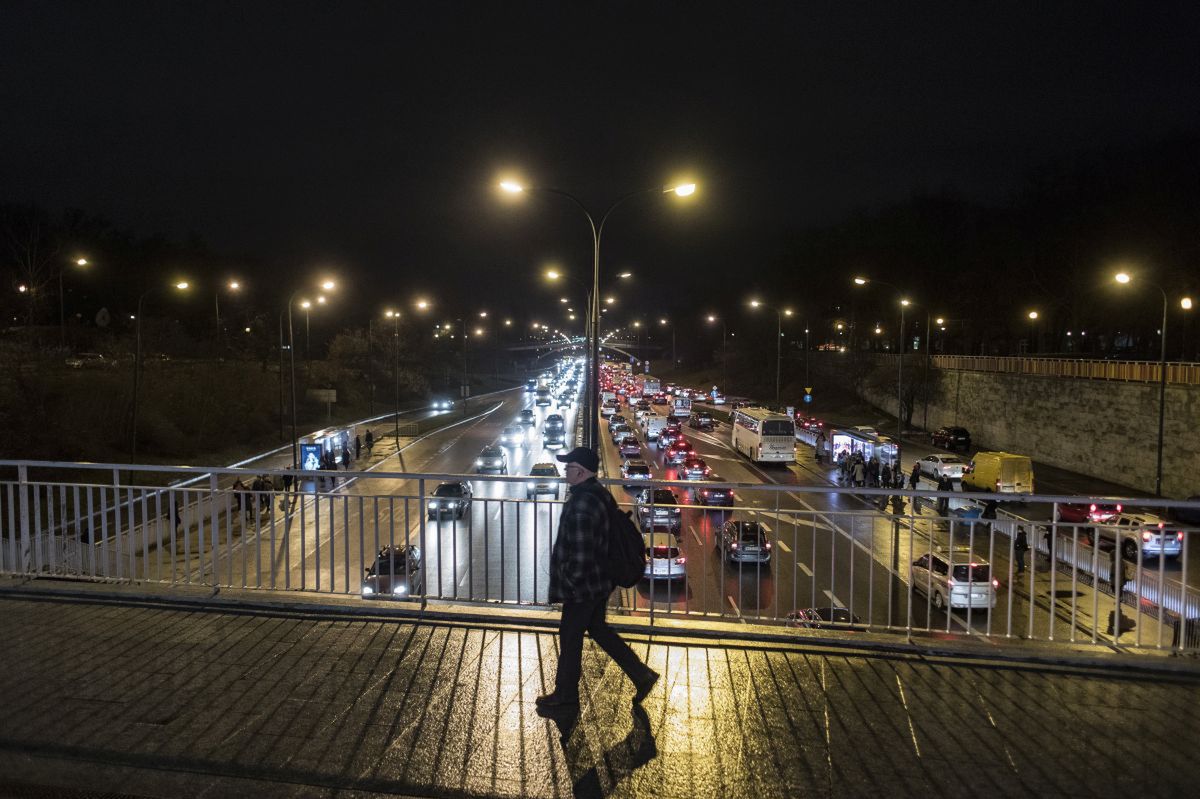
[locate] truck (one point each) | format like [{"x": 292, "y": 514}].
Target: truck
[
  {"x": 1002, "y": 472},
  {"x": 681, "y": 407}
]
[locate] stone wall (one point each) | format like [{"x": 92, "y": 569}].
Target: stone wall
[{"x": 1102, "y": 428}]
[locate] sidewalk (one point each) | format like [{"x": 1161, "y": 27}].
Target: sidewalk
[{"x": 154, "y": 699}]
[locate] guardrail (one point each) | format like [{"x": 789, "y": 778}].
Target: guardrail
[
  {"x": 1178, "y": 373},
  {"x": 861, "y": 553}
]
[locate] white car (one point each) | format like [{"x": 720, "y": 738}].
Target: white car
[
  {"x": 938, "y": 465},
  {"x": 513, "y": 436},
  {"x": 719, "y": 399},
  {"x": 664, "y": 561},
  {"x": 1155, "y": 537},
  {"x": 955, "y": 579}
]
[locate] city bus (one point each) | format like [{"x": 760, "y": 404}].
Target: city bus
[{"x": 764, "y": 436}]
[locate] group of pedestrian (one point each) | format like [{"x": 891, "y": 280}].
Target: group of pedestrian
[{"x": 862, "y": 472}]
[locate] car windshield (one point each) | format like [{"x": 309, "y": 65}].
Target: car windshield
[
  {"x": 976, "y": 573},
  {"x": 449, "y": 490},
  {"x": 544, "y": 471},
  {"x": 778, "y": 427},
  {"x": 491, "y": 452},
  {"x": 661, "y": 552}
]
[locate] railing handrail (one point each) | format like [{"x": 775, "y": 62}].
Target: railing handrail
[{"x": 1178, "y": 372}]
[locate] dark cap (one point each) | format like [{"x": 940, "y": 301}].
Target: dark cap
[{"x": 584, "y": 457}]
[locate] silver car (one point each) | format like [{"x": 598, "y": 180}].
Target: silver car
[
  {"x": 664, "y": 561},
  {"x": 492, "y": 459}
]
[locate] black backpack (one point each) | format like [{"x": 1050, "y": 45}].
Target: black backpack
[{"x": 626, "y": 550}]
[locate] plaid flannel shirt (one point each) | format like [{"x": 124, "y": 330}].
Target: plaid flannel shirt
[{"x": 578, "y": 561}]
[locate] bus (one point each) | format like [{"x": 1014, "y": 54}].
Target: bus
[{"x": 764, "y": 436}]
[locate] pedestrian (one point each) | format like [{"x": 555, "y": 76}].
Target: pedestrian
[
  {"x": 346, "y": 457},
  {"x": 943, "y": 503},
  {"x": 370, "y": 441},
  {"x": 860, "y": 473},
  {"x": 579, "y": 580},
  {"x": 819, "y": 446},
  {"x": 1020, "y": 547},
  {"x": 885, "y": 476},
  {"x": 357, "y": 447},
  {"x": 913, "y": 476},
  {"x": 238, "y": 487},
  {"x": 873, "y": 472}
]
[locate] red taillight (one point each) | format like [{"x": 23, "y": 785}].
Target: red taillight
[
  {"x": 1093, "y": 508},
  {"x": 705, "y": 492},
  {"x": 1118, "y": 508},
  {"x": 1179, "y": 536},
  {"x": 1146, "y": 536},
  {"x": 680, "y": 561},
  {"x": 995, "y": 583},
  {"x": 734, "y": 545}
]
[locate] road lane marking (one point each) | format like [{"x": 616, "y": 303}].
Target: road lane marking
[
  {"x": 807, "y": 571},
  {"x": 736, "y": 609},
  {"x": 912, "y": 731},
  {"x": 783, "y": 546},
  {"x": 692, "y": 530},
  {"x": 836, "y": 602}
]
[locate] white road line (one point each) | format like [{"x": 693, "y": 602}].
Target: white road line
[
  {"x": 783, "y": 546},
  {"x": 836, "y": 602},
  {"x": 807, "y": 571},
  {"x": 736, "y": 609},
  {"x": 912, "y": 731},
  {"x": 692, "y": 530}
]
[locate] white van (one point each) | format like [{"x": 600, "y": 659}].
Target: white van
[{"x": 653, "y": 424}]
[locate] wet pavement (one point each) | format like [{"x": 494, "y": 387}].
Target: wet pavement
[{"x": 153, "y": 698}]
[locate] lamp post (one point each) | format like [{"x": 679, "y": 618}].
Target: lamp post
[
  {"x": 862, "y": 281},
  {"x": 62, "y": 317},
  {"x": 137, "y": 365},
  {"x": 779, "y": 314},
  {"x": 724, "y": 373},
  {"x": 928, "y": 367},
  {"x": 592, "y": 432},
  {"x": 664, "y": 322},
  {"x": 1033, "y": 325},
  {"x": 328, "y": 285},
  {"x": 1186, "y": 304},
  {"x": 233, "y": 285}
]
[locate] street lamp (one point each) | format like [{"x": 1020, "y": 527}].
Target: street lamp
[
  {"x": 779, "y": 314},
  {"x": 1033, "y": 324},
  {"x": 62, "y": 318},
  {"x": 712, "y": 319},
  {"x": 327, "y": 285},
  {"x": 862, "y": 281},
  {"x": 1186, "y": 304},
  {"x": 137, "y": 364},
  {"x": 592, "y": 432},
  {"x": 232, "y": 285}
]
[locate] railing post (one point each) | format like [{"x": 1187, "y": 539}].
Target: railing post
[
  {"x": 421, "y": 510},
  {"x": 26, "y": 542}
]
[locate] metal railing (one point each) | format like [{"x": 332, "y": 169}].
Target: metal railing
[
  {"x": 859, "y": 550},
  {"x": 1178, "y": 373}
]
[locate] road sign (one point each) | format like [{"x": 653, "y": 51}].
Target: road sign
[
  {"x": 808, "y": 389},
  {"x": 791, "y": 410},
  {"x": 808, "y": 398}
]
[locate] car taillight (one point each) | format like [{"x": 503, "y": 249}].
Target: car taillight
[
  {"x": 1179, "y": 536},
  {"x": 1092, "y": 508},
  {"x": 950, "y": 582},
  {"x": 734, "y": 545},
  {"x": 1118, "y": 508},
  {"x": 1146, "y": 536},
  {"x": 705, "y": 492},
  {"x": 680, "y": 561},
  {"x": 995, "y": 583}
]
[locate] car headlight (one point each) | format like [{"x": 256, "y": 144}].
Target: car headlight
[
  {"x": 479, "y": 461},
  {"x": 433, "y": 503},
  {"x": 400, "y": 589},
  {"x": 368, "y": 590}
]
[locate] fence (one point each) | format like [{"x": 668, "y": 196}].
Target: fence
[
  {"x": 1130, "y": 371},
  {"x": 858, "y": 559}
]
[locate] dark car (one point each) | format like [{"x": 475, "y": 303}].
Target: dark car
[
  {"x": 952, "y": 438},
  {"x": 679, "y": 451},
  {"x": 657, "y": 506},
  {"x": 450, "y": 499},
  {"x": 700, "y": 421},
  {"x": 744, "y": 541},
  {"x": 710, "y": 496},
  {"x": 1093, "y": 513},
  {"x": 395, "y": 574},
  {"x": 817, "y": 618}
]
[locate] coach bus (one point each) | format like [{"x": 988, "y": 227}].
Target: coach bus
[{"x": 764, "y": 436}]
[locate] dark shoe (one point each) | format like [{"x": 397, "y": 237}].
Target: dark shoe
[
  {"x": 555, "y": 699},
  {"x": 645, "y": 685}
]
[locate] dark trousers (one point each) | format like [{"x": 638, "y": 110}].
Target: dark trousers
[{"x": 578, "y": 617}]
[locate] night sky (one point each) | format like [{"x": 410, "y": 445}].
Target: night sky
[{"x": 368, "y": 136}]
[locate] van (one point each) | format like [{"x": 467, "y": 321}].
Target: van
[
  {"x": 1002, "y": 472},
  {"x": 653, "y": 424}
]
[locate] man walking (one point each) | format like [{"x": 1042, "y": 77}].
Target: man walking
[{"x": 579, "y": 580}]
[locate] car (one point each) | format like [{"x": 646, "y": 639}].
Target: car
[
  {"x": 450, "y": 499},
  {"x": 629, "y": 447},
  {"x": 546, "y": 481},
  {"x": 608, "y": 408},
  {"x": 395, "y": 574},
  {"x": 954, "y": 579},
  {"x": 513, "y": 436},
  {"x": 938, "y": 465},
  {"x": 81, "y": 360},
  {"x": 619, "y": 431},
  {"x": 441, "y": 404},
  {"x": 659, "y": 399},
  {"x": 1090, "y": 513},
  {"x": 1152, "y": 536},
  {"x": 818, "y": 618},
  {"x": 951, "y": 438},
  {"x": 634, "y": 471},
  {"x": 641, "y": 409},
  {"x": 667, "y": 437},
  {"x": 718, "y": 399},
  {"x": 740, "y": 403},
  {"x": 566, "y": 401},
  {"x": 664, "y": 561},
  {"x": 553, "y": 421},
  {"x": 658, "y": 506},
  {"x": 526, "y": 417},
  {"x": 554, "y": 439},
  {"x": 701, "y": 420},
  {"x": 745, "y": 541},
  {"x": 710, "y": 496},
  {"x": 491, "y": 459},
  {"x": 693, "y": 468},
  {"x": 679, "y": 451},
  {"x": 617, "y": 419},
  {"x": 809, "y": 423}
]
